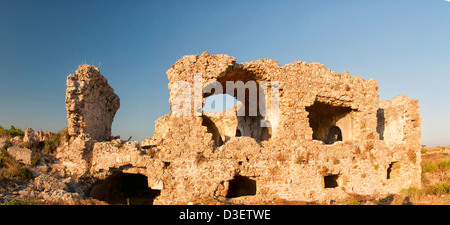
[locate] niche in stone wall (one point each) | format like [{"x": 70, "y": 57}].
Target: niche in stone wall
[
  {"x": 266, "y": 133},
  {"x": 380, "y": 123},
  {"x": 331, "y": 181},
  {"x": 330, "y": 123},
  {"x": 124, "y": 189},
  {"x": 241, "y": 186},
  {"x": 238, "y": 133}
]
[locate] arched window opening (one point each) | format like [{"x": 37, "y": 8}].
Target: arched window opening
[
  {"x": 240, "y": 94},
  {"x": 219, "y": 103},
  {"x": 334, "y": 134}
]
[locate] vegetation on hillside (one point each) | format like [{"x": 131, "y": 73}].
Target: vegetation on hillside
[{"x": 12, "y": 132}]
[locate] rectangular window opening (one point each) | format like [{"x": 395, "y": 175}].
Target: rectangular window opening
[
  {"x": 330, "y": 123},
  {"x": 331, "y": 181}
]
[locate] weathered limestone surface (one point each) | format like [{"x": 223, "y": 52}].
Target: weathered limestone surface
[
  {"x": 91, "y": 103},
  {"x": 402, "y": 120},
  {"x": 23, "y": 155},
  {"x": 32, "y": 136},
  {"x": 91, "y": 106},
  {"x": 74, "y": 156},
  {"x": 191, "y": 157}
]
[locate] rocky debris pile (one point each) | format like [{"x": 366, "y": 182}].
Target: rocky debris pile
[
  {"x": 23, "y": 155},
  {"x": 27, "y": 176},
  {"x": 33, "y": 137},
  {"x": 44, "y": 189}
]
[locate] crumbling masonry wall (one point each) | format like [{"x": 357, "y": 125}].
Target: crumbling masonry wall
[
  {"x": 91, "y": 106},
  {"x": 374, "y": 150}
]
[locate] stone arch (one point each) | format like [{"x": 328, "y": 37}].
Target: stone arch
[
  {"x": 248, "y": 88},
  {"x": 238, "y": 133},
  {"x": 334, "y": 134},
  {"x": 213, "y": 130}
]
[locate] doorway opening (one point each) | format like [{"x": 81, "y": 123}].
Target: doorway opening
[
  {"x": 241, "y": 186},
  {"x": 124, "y": 189}
]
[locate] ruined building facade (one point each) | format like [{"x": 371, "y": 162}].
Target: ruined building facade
[{"x": 331, "y": 137}]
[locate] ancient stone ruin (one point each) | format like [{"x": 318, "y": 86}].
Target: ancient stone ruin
[
  {"x": 91, "y": 105},
  {"x": 329, "y": 138}
]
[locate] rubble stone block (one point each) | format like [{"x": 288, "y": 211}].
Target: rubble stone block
[{"x": 23, "y": 155}]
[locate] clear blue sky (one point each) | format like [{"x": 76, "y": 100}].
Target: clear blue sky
[{"x": 404, "y": 44}]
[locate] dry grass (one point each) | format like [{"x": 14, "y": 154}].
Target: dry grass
[
  {"x": 435, "y": 188},
  {"x": 11, "y": 169}
]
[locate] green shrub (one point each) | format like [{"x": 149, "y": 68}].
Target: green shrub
[
  {"x": 429, "y": 166},
  {"x": 24, "y": 174},
  {"x": 14, "y": 132},
  {"x": 444, "y": 165},
  {"x": 440, "y": 188},
  {"x": 35, "y": 159},
  {"x": 14, "y": 202},
  {"x": 53, "y": 142},
  {"x": 3, "y": 132},
  {"x": 353, "y": 202},
  {"x": 50, "y": 146},
  {"x": 4, "y": 158},
  {"x": 300, "y": 160},
  {"x": 13, "y": 169}
]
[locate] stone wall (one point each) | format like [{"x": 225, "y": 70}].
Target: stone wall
[
  {"x": 91, "y": 103},
  {"x": 376, "y": 150},
  {"x": 91, "y": 106}
]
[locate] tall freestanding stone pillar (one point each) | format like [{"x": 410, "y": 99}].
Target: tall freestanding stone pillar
[
  {"x": 91, "y": 103},
  {"x": 91, "y": 106}
]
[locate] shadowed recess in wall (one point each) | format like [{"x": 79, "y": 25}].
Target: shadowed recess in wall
[
  {"x": 213, "y": 130},
  {"x": 380, "y": 123},
  {"x": 330, "y": 123},
  {"x": 241, "y": 186},
  {"x": 124, "y": 189},
  {"x": 331, "y": 181}
]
